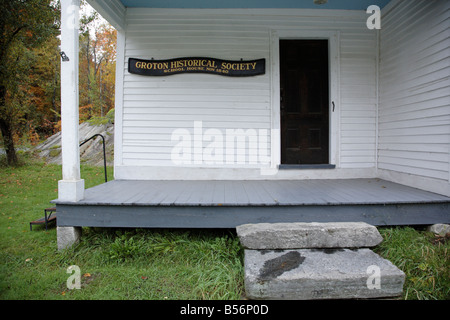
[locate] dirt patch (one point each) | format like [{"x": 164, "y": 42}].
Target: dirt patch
[{"x": 438, "y": 239}]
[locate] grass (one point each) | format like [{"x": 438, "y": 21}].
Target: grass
[
  {"x": 114, "y": 263},
  {"x": 155, "y": 264},
  {"x": 423, "y": 256}
]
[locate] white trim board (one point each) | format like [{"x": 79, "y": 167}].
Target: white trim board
[
  {"x": 415, "y": 181},
  {"x": 203, "y": 173},
  {"x": 118, "y": 108}
]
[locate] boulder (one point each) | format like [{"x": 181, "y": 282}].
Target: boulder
[
  {"x": 90, "y": 153},
  {"x": 439, "y": 229}
]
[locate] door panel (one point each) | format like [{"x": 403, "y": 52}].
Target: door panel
[{"x": 304, "y": 101}]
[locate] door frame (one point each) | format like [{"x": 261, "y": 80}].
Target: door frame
[{"x": 333, "y": 37}]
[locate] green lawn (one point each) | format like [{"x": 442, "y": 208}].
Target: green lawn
[{"x": 155, "y": 264}]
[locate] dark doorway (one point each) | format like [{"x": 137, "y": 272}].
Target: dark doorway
[{"x": 304, "y": 102}]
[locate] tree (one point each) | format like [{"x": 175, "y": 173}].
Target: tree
[
  {"x": 43, "y": 98},
  {"x": 106, "y": 40},
  {"x": 97, "y": 66},
  {"x": 24, "y": 25}
]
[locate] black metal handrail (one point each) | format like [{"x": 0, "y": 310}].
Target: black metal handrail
[{"x": 104, "y": 151}]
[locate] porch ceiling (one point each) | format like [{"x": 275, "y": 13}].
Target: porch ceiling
[
  {"x": 212, "y": 4},
  {"x": 114, "y": 11}
]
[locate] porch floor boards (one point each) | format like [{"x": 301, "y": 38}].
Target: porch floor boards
[{"x": 225, "y": 204}]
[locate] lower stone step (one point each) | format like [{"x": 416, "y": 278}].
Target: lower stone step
[{"x": 306, "y": 274}]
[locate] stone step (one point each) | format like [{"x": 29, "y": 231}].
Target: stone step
[
  {"x": 306, "y": 274},
  {"x": 308, "y": 235}
]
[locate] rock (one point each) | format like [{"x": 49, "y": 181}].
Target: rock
[
  {"x": 306, "y": 274},
  {"x": 439, "y": 228},
  {"x": 90, "y": 153},
  {"x": 309, "y": 261},
  {"x": 308, "y": 235}
]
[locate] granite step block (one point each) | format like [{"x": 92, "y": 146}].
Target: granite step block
[
  {"x": 307, "y": 274},
  {"x": 308, "y": 235}
]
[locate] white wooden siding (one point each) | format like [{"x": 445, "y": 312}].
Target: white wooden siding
[
  {"x": 414, "y": 108},
  {"x": 154, "y": 107}
]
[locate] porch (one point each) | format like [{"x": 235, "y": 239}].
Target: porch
[{"x": 227, "y": 204}]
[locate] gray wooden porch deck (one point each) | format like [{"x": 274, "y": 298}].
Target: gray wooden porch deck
[{"x": 226, "y": 204}]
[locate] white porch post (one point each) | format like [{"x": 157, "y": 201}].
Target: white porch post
[{"x": 71, "y": 187}]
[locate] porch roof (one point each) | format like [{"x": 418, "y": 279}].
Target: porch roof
[{"x": 214, "y": 4}]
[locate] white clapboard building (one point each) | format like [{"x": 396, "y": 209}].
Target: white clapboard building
[{"x": 232, "y": 112}]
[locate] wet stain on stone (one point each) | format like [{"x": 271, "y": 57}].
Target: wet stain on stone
[{"x": 275, "y": 267}]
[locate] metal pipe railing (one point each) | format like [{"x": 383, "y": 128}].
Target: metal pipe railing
[{"x": 104, "y": 151}]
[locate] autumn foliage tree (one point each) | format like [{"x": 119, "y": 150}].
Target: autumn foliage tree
[
  {"x": 97, "y": 67},
  {"x": 42, "y": 92},
  {"x": 30, "y": 99},
  {"x": 24, "y": 26}
]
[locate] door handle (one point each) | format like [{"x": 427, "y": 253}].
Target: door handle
[{"x": 332, "y": 102}]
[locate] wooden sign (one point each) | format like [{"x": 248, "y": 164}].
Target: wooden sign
[{"x": 197, "y": 65}]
